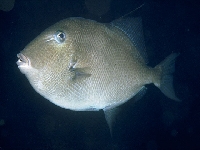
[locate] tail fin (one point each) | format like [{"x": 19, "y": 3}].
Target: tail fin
[{"x": 167, "y": 68}]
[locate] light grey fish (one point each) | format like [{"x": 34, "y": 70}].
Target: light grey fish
[{"x": 82, "y": 65}]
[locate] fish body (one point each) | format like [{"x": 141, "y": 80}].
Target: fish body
[{"x": 80, "y": 64}]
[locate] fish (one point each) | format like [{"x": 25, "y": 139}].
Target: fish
[{"x": 83, "y": 65}]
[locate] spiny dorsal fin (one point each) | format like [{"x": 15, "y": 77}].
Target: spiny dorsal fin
[{"x": 132, "y": 11}]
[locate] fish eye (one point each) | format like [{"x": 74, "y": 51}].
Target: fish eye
[{"x": 60, "y": 36}]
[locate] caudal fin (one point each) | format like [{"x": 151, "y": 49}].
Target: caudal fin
[{"x": 167, "y": 68}]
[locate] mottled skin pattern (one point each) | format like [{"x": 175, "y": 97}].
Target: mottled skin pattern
[{"x": 95, "y": 67}]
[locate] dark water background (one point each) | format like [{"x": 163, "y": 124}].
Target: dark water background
[{"x": 28, "y": 121}]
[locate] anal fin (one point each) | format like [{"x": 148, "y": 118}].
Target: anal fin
[{"x": 110, "y": 115}]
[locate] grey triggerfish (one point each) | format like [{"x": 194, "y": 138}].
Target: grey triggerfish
[{"x": 83, "y": 65}]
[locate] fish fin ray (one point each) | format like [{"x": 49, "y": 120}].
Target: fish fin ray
[
  {"x": 132, "y": 27},
  {"x": 79, "y": 73},
  {"x": 167, "y": 69},
  {"x": 140, "y": 94},
  {"x": 110, "y": 116}
]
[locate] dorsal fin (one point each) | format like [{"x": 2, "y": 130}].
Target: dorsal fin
[{"x": 132, "y": 27}]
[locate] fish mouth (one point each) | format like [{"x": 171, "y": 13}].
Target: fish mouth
[{"x": 23, "y": 61}]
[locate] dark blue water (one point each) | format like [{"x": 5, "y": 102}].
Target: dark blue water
[{"x": 28, "y": 121}]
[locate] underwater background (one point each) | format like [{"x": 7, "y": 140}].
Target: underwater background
[{"x": 30, "y": 122}]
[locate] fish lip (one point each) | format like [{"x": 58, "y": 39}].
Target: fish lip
[{"x": 22, "y": 60}]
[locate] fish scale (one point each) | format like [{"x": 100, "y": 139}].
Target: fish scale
[{"x": 80, "y": 64}]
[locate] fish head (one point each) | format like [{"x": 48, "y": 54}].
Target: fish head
[
  {"x": 46, "y": 61},
  {"x": 46, "y": 49}
]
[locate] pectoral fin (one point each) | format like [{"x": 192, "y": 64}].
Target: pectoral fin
[{"x": 79, "y": 73}]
